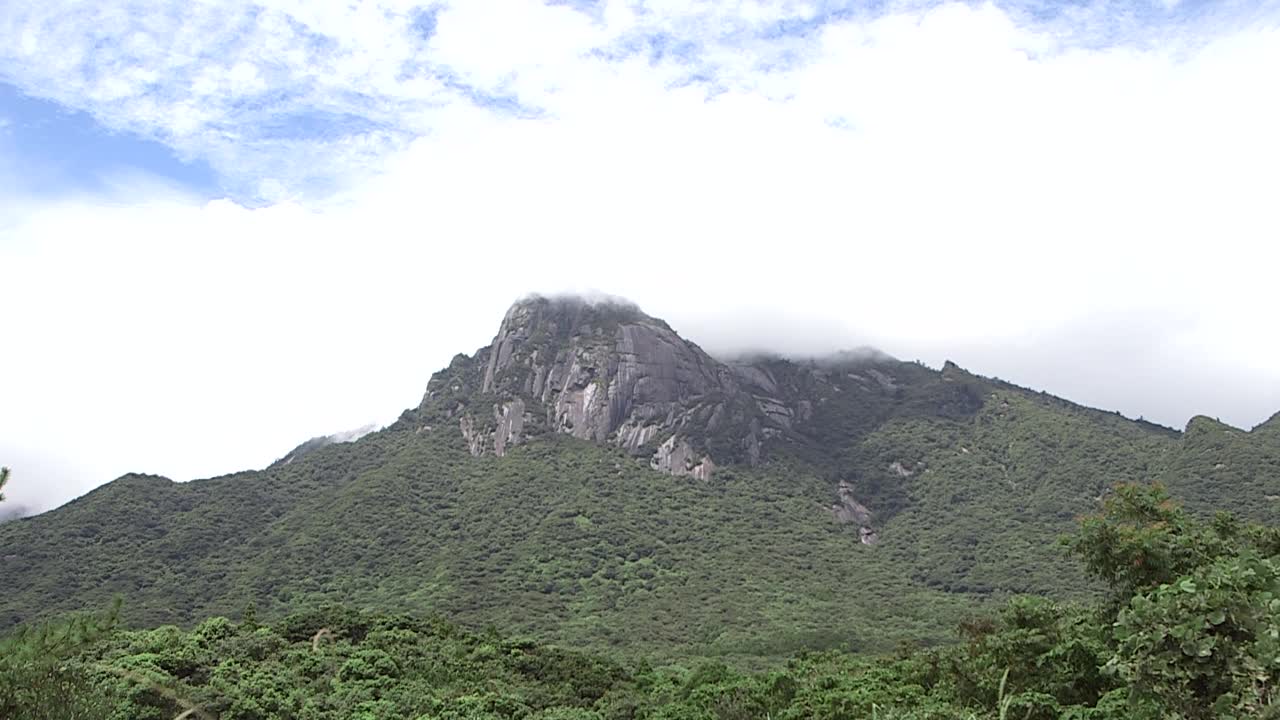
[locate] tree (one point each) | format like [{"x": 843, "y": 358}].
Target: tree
[
  {"x": 1196, "y": 606},
  {"x": 1208, "y": 645},
  {"x": 4, "y": 478},
  {"x": 1142, "y": 540},
  {"x": 42, "y": 676}
]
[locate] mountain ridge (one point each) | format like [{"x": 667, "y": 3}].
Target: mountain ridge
[
  {"x": 315, "y": 443},
  {"x": 902, "y": 500}
]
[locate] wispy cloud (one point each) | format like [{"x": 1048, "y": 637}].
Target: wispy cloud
[
  {"x": 1032, "y": 189},
  {"x": 225, "y": 81},
  {"x": 295, "y": 99}
]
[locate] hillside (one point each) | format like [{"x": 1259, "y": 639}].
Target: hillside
[
  {"x": 593, "y": 479},
  {"x": 1188, "y": 632}
]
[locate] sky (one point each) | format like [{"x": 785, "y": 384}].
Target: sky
[{"x": 226, "y": 227}]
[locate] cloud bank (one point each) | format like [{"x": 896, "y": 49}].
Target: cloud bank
[{"x": 1076, "y": 197}]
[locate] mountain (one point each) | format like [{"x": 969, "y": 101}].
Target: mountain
[
  {"x": 606, "y": 372},
  {"x": 595, "y": 480}
]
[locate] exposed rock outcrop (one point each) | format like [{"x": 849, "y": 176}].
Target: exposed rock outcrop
[
  {"x": 677, "y": 457},
  {"x": 608, "y": 373},
  {"x": 477, "y": 440},
  {"x": 600, "y": 371},
  {"x": 848, "y": 511},
  {"x": 510, "y": 418},
  {"x": 897, "y": 468}
]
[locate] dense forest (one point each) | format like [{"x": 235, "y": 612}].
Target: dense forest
[
  {"x": 576, "y": 543},
  {"x": 1188, "y": 626},
  {"x": 593, "y": 518}
]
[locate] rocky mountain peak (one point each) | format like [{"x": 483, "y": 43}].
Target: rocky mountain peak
[
  {"x": 601, "y": 371},
  {"x": 605, "y": 371},
  {"x": 544, "y": 325}
]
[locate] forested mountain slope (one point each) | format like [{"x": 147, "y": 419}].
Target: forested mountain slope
[
  {"x": 1185, "y": 627},
  {"x": 595, "y": 480}
]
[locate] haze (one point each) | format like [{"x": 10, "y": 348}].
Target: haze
[{"x": 226, "y": 228}]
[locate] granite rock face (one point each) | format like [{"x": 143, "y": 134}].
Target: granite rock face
[
  {"x": 608, "y": 373},
  {"x": 601, "y": 373},
  {"x": 604, "y": 372},
  {"x": 848, "y": 511}
]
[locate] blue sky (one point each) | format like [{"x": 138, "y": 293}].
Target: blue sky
[
  {"x": 209, "y": 211},
  {"x": 61, "y": 150},
  {"x": 243, "y": 98}
]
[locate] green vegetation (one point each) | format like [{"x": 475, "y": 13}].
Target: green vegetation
[
  {"x": 562, "y": 540},
  {"x": 861, "y": 510},
  {"x": 580, "y": 545},
  {"x": 1186, "y": 629},
  {"x": 39, "y": 677}
]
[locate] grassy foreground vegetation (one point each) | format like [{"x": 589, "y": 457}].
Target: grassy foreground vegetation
[{"x": 1188, "y": 627}]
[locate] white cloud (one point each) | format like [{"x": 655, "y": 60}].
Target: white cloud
[
  {"x": 222, "y": 81},
  {"x": 1093, "y": 221},
  {"x": 495, "y": 43}
]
